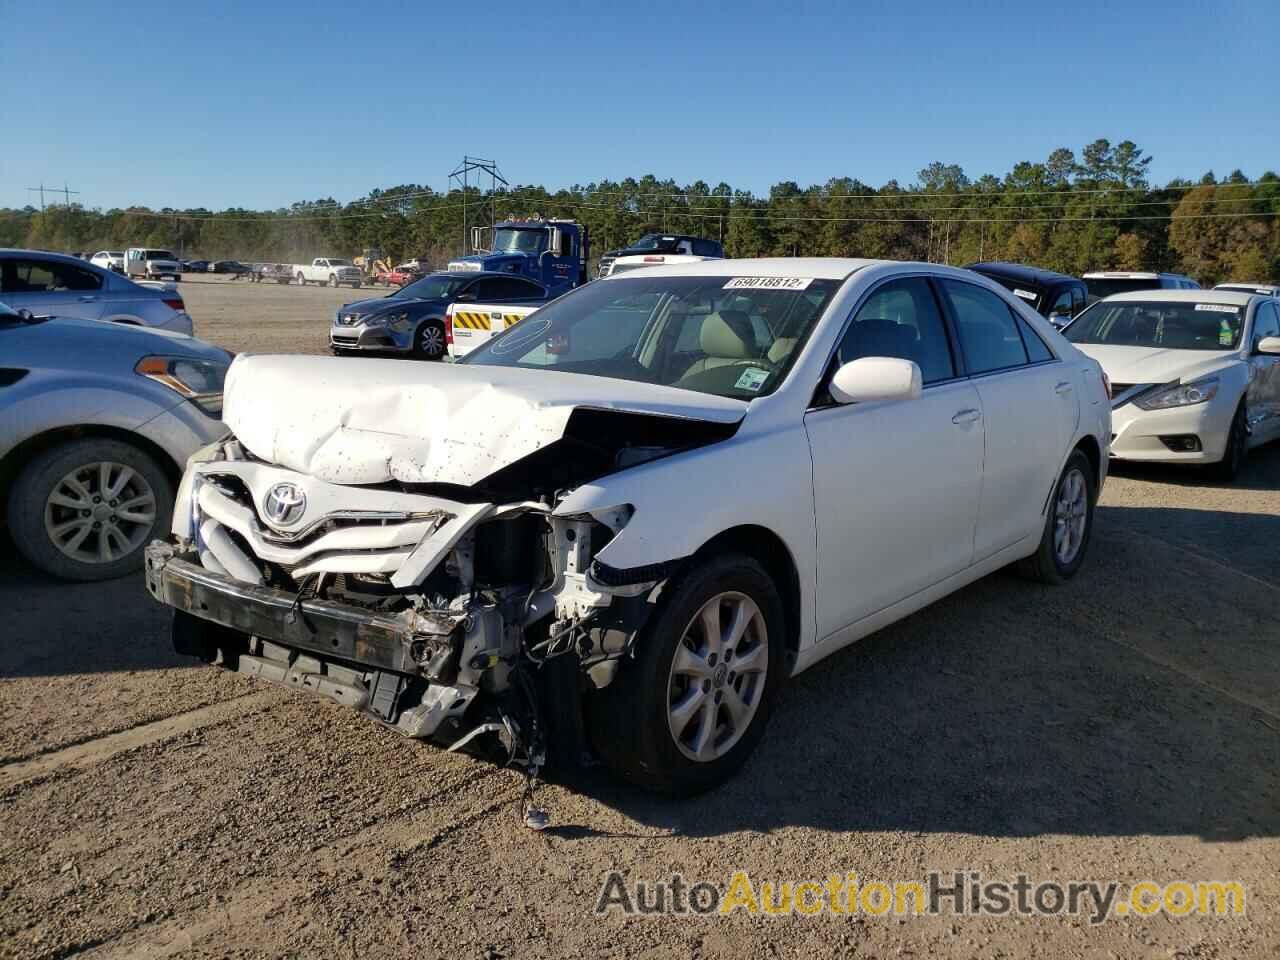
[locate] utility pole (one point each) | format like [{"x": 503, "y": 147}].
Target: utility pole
[{"x": 65, "y": 191}]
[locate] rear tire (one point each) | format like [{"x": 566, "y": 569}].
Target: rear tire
[
  {"x": 1233, "y": 458},
  {"x": 52, "y": 510},
  {"x": 1068, "y": 525},
  {"x": 302, "y": 281},
  {"x": 681, "y": 696}
]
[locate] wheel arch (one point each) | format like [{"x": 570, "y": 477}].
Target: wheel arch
[
  {"x": 12, "y": 461},
  {"x": 771, "y": 552},
  {"x": 1088, "y": 445}
]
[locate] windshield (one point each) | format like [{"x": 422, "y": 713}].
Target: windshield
[
  {"x": 339, "y": 263},
  {"x": 519, "y": 240},
  {"x": 436, "y": 287},
  {"x": 732, "y": 337},
  {"x": 1160, "y": 325},
  {"x": 159, "y": 255}
]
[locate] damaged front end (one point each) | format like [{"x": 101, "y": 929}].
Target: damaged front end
[{"x": 474, "y": 617}]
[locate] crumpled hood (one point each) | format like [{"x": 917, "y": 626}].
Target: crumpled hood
[
  {"x": 1154, "y": 364},
  {"x": 359, "y": 421}
]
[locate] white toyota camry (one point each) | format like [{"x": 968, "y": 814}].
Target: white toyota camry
[
  {"x": 1195, "y": 374},
  {"x": 645, "y": 505}
]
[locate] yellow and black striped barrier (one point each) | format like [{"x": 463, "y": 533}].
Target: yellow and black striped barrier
[{"x": 471, "y": 320}]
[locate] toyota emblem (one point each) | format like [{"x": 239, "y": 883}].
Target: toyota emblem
[{"x": 285, "y": 504}]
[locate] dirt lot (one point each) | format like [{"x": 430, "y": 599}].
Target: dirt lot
[{"x": 1126, "y": 726}]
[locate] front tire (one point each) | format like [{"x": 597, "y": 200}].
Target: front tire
[
  {"x": 84, "y": 510},
  {"x": 333, "y": 281},
  {"x": 1068, "y": 526},
  {"x": 1233, "y": 458},
  {"x": 428, "y": 342},
  {"x": 684, "y": 714}
]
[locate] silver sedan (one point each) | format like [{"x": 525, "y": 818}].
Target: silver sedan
[
  {"x": 97, "y": 421},
  {"x": 50, "y": 284}
]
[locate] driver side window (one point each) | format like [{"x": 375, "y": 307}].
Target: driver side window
[
  {"x": 1267, "y": 323},
  {"x": 901, "y": 319}
]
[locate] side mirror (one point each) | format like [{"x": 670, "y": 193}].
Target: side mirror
[
  {"x": 876, "y": 378},
  {"x": 1059, "y": 320},
  {"x": 557, "y": 242},
  {"x": 1270, "y": 345}
]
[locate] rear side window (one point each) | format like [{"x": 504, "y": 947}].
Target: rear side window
[
  {"x": 45, "y": 276},
  {"x": 511, "y": 289},
  {"x": 901, "y": 319},
  {"x": 1037, "y": 352},
  {"x": 988, "y": 333}
]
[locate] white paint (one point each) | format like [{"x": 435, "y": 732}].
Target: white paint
[
  {"x": 363, "y": 421},
  {"x": 869, "y": 379}
]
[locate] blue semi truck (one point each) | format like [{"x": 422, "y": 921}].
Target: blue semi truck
[{"x": 552, "y": 252}]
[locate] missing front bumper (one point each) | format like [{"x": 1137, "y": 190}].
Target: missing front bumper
[{"x": 334, "y": 630}]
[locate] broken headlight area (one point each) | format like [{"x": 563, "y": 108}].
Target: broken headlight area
[{"x": 476, "y": 625}]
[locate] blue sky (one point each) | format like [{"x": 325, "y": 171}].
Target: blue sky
[{"x": 260, "y": 104}]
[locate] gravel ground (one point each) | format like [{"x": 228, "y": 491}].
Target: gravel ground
[{"x": 1125, "y": 726}]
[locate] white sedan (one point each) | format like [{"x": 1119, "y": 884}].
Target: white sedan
[
  {"x": 1195, "y": 374},
  {"x": 680, "y": 485}
]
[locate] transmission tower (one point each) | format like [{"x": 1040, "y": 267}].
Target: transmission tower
[{"x": 475, "y": 168}]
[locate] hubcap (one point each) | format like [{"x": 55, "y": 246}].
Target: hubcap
[
  {"x": 100, "y": 512},
  {"x": 1070, "y": 515},
  {"x": 717, "y": 677},
  {"x": 432, "y": 340}
]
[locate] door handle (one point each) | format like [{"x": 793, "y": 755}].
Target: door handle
[
  {"x": 88, "y": 299},
  {"x": 1064, "y": 387},
  {"x": 967, "y": 416}
]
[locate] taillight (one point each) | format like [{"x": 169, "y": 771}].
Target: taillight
[
  {"x": 448, "y": 328},
  {"x": 175, "y": 303}
]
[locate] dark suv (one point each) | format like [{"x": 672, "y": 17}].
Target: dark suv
[{"x": 1054, "y": 295}]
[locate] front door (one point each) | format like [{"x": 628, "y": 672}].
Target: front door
[{"x": 896, "y": 483}]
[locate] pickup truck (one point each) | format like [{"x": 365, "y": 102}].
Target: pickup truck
[
  {"x": 470, "y": 325},
  {"x": 334, "y": 271}
]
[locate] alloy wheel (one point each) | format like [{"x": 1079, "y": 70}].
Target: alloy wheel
[
  {"x": 100, "y": 512},
  {"x": 717, "y": 677},
  {"x": 1070, "y": 516}
]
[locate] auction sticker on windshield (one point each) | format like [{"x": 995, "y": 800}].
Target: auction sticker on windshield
[
  {"x": 768, "y": 283},
  {"x": 1217, "y": 307},
  {"x": 752, "y": 379}
]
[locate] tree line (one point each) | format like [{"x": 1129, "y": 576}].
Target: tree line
[{"x": 1096, "y": 211}]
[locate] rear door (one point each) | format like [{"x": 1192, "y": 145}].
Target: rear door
[
  {"x": 50, "y": 287},
  {"x": 1030, "y": 408}
]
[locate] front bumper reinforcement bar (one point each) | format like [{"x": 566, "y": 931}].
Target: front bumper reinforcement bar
[{"x": 341, "y": 631}]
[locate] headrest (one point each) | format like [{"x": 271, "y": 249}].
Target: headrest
[{"x": 727, "y": 334}]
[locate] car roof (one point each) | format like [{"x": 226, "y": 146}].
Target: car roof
[
  {"x": 1245, "y": 286},
  {"x": 818, "y": 268},
  {"x": 474, "y": 274},
  {"x": 1233, "y": 297},
  {"x": 1021, "y": 272},
  {"x": 1131, "y": 275},
  {"x": 65, "y": 257}
]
